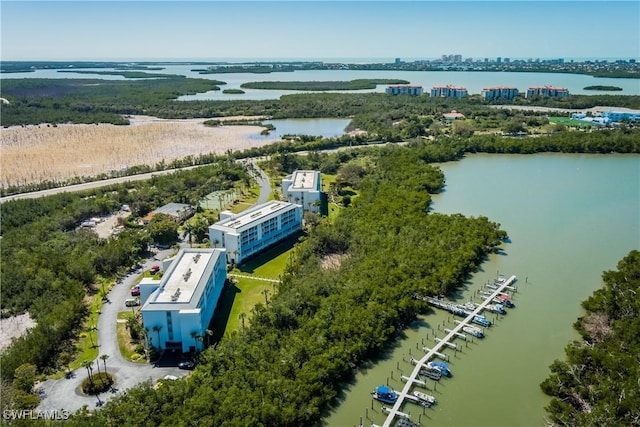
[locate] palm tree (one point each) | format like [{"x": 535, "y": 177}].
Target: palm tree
[
  {"x": 98, "y": 365},
  {"x": 200, "y": 339},
  {"x": 104, "y": 358},
  {"x": 89, "y": 330},
  {"x": 64, "y": 359},
  {"x": 266, "y": 296},
  {"x": 157, "y": 329},
  {"x": 209, "y": 334},
  {"x": 189, "y": 229},
  {"x": 89, "y": 366},
  {"x": 242, "y": 316}
]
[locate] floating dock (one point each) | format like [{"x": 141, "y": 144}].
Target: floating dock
[{"x": 470, "y": 316}]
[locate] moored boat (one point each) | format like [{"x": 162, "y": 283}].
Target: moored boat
[
  {"x": 495, "y": 308},
  {"x": 443, "y": 367},
  {"x": 425, "y": 399},
  {"x": 481, "y": 320},
  {"x": 384, "y": 394},
  {"x": 506, "y": 300},
  {"x": 473, "y": 330},
  {"x": 433, "y": 374}
]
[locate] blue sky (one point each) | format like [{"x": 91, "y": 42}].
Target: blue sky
[{"x": 210, "y": 30}]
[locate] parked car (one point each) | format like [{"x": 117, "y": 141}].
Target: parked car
[
  {"x": 154, "y": 269},
  {"x": 132, "y": 302},
  {"x": 135, "y": 291},
  {"x": 187, "y": 365}
]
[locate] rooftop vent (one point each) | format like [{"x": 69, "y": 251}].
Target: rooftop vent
[
  {"x": 175, "y": 295},
  {"x": 187, "y": 275},
  {"x": 196, "y": 258}
]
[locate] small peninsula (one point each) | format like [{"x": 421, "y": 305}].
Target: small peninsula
[{"x": 357, "y": 84}]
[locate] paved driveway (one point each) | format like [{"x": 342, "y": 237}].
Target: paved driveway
[{"x": 65, "y": 393}]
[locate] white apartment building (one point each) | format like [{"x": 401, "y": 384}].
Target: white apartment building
[
  {"x": 495, "y": 92},
  {"x": 405, "y": 89},
  {"x": 303, "y": 187},
  {"x": 449, "y": 91},
  {"x": 177, "y": 309},
  {"x": 249, "y": 232}
]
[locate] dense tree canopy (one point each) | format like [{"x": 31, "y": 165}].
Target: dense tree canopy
[
  {"x": 49, "y": 264},
  {"x": 301, "y": 346},
  {"x": 599, "y": 382}
]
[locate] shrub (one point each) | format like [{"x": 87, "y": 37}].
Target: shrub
[{"x": 98, "y": 383}]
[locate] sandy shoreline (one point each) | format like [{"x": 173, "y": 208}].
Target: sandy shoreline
[{"x": 44, "y": 152}]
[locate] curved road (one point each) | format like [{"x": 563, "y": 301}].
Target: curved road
[{"x": 65, "y": 393}]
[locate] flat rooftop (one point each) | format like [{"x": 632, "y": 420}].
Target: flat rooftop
[
  {"x": 304, "y": 180},
  {"x": 183, "y": 278},
  {"x": 254, "y": 214}
]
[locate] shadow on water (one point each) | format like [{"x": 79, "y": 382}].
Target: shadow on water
[{"x": 384, "y": 354}]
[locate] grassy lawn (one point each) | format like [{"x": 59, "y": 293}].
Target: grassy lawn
[
  {"x": 269, "y": 264},
  {"x": 243, "y": 295},
  {"x": 570, "y": 122},
  {"x": 125, "y": 343},
  {"x": 87, "y": 344},
  {"x": 249, "y": 292},
  {"x": 237, "y": 298}
]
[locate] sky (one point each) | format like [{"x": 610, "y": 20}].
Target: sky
[{"x": 219, "y": 30}]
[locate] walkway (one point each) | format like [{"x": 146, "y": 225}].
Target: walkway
[
  {"x": 242, "y": 276},
  {"x": 393, "y": 412}
]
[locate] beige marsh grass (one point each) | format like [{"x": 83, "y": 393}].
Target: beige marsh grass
[{"x": 33, "y": 154}]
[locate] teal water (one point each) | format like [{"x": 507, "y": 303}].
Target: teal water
[
  {"x": 326, "y": 128},
  {"x": 473, "y": 81},
  {"x": 569, "y": 218}
]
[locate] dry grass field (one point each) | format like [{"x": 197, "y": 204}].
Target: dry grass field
[{"x": 36, "y": 153}]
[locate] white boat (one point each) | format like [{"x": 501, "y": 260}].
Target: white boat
[
  {"x": 425, "y": 398},
  {"x": 473, "y": 330}
]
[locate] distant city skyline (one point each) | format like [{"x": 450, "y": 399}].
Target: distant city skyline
[{"x": 307, "y": 30}]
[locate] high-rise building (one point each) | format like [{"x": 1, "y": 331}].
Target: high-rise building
[
  {"x": 404, "y": 90},
  {"x": 449, "y": 91},
  {"x": 495, "y": 92},
  {"x": 547, "y": 91}
]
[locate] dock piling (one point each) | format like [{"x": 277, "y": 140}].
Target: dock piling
[{"x": 469, "y": 316}]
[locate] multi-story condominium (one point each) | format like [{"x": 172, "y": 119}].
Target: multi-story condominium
[
  {"x": 449, "y": 91},
  {"x": 404, "y": 90},
  {"x": 178, "y": 308},
  {"x": 303, "y": 187},
  {"x": 495, "y": 92},
  {"x": 249, "y": 232},
  {"x": 547, "y": 91}
]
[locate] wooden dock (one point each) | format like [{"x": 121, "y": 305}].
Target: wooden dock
[{"x": 453, "y": 334}]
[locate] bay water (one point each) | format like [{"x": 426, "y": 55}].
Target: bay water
[
  {"x": 569, "y": 218},
  {"x": 474, "y": 81}
]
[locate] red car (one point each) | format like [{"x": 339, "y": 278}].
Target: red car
[
  {"x": 154, "y": 269},
  {"x": 135, "y": 291}
]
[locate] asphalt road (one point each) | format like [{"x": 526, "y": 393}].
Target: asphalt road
[
  {"x": 65, "y": 393},
  {"x": 88, "y": 185}
]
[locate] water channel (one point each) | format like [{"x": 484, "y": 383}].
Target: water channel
[
  {"x": 326, "y": 128},
  {"x": 569, "y": 217},
  {"x": 474, "y": 81}
]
